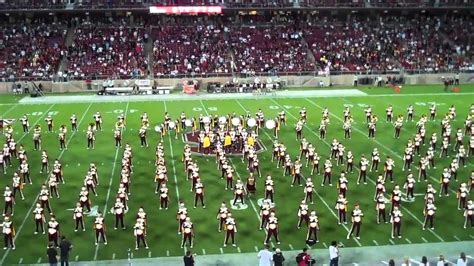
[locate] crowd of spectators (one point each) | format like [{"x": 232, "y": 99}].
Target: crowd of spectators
[
  {"x": 269, "y": 49},
  {"x": 31, "y": 49},
  {"x": 124, "y": 47},
  {"x": 107, "y": 50},
  {"x": 197, "y": 49}
]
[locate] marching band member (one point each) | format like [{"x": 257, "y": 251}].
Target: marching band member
[
  {"x": 231, "y": 229},
  {"x": 350, "y": 162},
  {"x": 25, "y": 124},
  {"x": 53, "y": 231},
  {"x": 429, "y": 212},
  {"x": 118, "y": 137},
  {"x": 188, "y": 232},
  {"x": 341, "y": 207},
  {"x": 40, "y": 220},
  {"x": 313, "y": 227},
  {"x": 199, "y": 194},
  {"x": 347, "y": 113},
  {"x": 265, "y": 210},
  {"x": 164, "y": 198},
  {"x": 44, "y": 198},
  {"x": 315, "y": 164},
  {"x": 363, "y": 164},
  {"x": 49, "y": 122},
  {"x": 99, "y": 226},
  {"x": 62, "y": 137},
  {"x": 461, "y": 156},
  {"x": 269, "y": 189},
  {"x": 239, "y": 192},
  {"x": 139, "y": 231},
  {"x": 396, "y": 221},
  {"x": 44, "y": 162},
  {"x": 17, "y": 185},
  {"x": 388, "y": 168},
  {"x": 380, "y": 208},
  {"x": 340, "y": 154},
  {"x": 272, "y": 228},
  {"x": 9, "y": 201},
  {"x": 396, "y": 196},
  {"x": 356, "y": 221},
  {"x": 308, "y": 190},
  {"x": 410, "y": 112},
  {"x": 73, "y": 120},
  {"x": 37, "y": 137},
  {"x": 379, "y": 187},
  {"x": 422, "y": 166},
  {"x": 53, "y": 186},
  {"x": 303, "y": 215},
  {"x": 98, "y": 121},
  {"x": 368, "y": 114},
  {"x": 78, "y": 217},
  {"x": 453, "y": 168},
  {"x": 410, "y": 186},
  {"x": 142, "y": 135},
  {"x": 84, "y": 199},
  {"x": 296, "y": 173},
  {"x": 181, "y": 216},
  {"x": 433, "y": 112},
  {"x": 445, "y": 179},
  {"x": 119, "y": 211},
  {"x": 8, "y": 233},
  {"x": 327, "y": 172},
  {"x": 375, "y": 160},
  {"x": 389, "y": 112},
  {"x": 444, "y": 148},
  {"x": 469, "y": 214},
  {"x": 462, "y": 196},
  {"x": 222, "y": 215},
  {"x": 90, "y": 138}
]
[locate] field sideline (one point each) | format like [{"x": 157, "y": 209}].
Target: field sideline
[{"x": 162, "y": 236}]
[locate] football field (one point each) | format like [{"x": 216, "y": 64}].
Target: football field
[{"x": 162, "y": 234}]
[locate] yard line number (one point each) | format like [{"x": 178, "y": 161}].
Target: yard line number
[
  {"x": 121, "y": 111},
  {"x": 41, "y": 113},
  {"x": 199, "y": 109},
  {"x": 428, "y": 103}
]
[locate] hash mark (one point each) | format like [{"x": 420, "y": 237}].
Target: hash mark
[
  {"x": 391, "y": 242},
  {"x": 256, "y": 248},
  {"x": 222, "y": 251},
  {"x": 76, "y": 258},
  {"x": 408, "y": 240},
  {"x": 424, "y": 240},
  {"x": 457, "y": 238}
]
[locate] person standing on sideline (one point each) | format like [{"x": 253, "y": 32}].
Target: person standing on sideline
[
  {"x": 52, "y": 254},
  {"x": 188, "y": 258},
  {"x": 65, "y": 247},
  {"x": 462, "y": 261},
  {"x": 278, "y": 258},
  {"x": 333, "y": 254},
  {"x": 304, "y": 259},
  {"x": 265, "y": 257}
]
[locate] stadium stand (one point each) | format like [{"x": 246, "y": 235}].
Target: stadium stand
[{"x": 31, "y": 50}]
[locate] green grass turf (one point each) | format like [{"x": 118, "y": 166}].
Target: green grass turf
[{"x": 162, "y": 236}]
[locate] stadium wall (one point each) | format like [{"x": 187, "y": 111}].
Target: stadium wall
[{"x": 289, "y": 81}]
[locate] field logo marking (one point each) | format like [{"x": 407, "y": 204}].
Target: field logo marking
[
  {"x": 6, "y": 122},
  {"x": 239, "y": 206}
]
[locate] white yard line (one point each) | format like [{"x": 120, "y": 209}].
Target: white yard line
[
  {"x": 167, "y": 253},
  {"x": 5, "y": 255},
  {"x": 221, "y": 250},
  {"x": 408, "y": 240},
  {"x": 203, "y": 252},
  {"x": 238, "y": 250},
  {"x": 291, "y": 246},
  {"x": 457, "y": 238},
  {"x": 149, "y": 254},
  {"x": 20, "y": 261},
  {"x": 391, "y": 241},
  {"x": 173, "y": 163},
  {"x": 424, "y": 239},
  {"x": 409, "y": 212},
  {"x": 76, "y": 258},
  {"x": 375, "y": 242},
  {"x": 104, "y": 212},
  {"x": 9, "y": 110}
]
